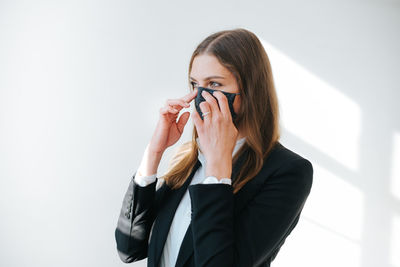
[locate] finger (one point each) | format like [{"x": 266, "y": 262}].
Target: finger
[
  {"x": 198, "y": 123},
  {"x": 211, "y": 101},
  {"x": 177, "y": 103},
  {"x": 205, "y": 107},
  {"x": 168, "y": 109},
  {"x": 189, "y": 97},
  {"x": 223, "y": 103},
  {"x": 182, "y": 121}
]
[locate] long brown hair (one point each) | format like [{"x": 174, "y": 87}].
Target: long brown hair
[{"x": 242, "y": 53}]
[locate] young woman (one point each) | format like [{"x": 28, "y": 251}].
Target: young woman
[{"x": 233, "y": 193}]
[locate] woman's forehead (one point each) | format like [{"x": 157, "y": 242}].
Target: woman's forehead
[{"x": 206, "y": 67}]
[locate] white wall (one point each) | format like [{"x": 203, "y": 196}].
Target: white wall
[{"x": 81, "y": 83}]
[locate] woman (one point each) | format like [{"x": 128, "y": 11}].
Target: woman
[{"x": 233, "y": 193}]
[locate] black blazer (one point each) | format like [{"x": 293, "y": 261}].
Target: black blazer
[{"x": 243, "y": 229}]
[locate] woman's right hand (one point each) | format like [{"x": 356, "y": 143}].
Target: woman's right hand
[{"x": 168, "y": 130}]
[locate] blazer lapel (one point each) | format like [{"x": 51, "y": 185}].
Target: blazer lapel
[
  {"x": 186, "y": 247},
  {"x": 164, "y": 219}
]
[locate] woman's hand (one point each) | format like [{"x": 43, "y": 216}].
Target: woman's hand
[
  {"x": 168, "y": 130},
  {"x": 217, "y": 134}
]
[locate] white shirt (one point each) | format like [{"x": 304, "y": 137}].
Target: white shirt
[{"x": 182, "y": 216}]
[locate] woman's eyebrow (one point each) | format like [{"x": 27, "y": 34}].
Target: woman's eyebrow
[{"x": 209, "y": 78}]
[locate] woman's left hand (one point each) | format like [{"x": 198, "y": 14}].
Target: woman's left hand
[{"x": 217, "y": 134}]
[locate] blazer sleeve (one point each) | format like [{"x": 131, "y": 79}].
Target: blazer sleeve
[
  {"x": 135, "y": 220},
  {"x": 259, "y": 230}
]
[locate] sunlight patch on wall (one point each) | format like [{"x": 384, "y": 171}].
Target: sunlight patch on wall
[
  {"x": 312, "y": 245},
  {"x": 315, "y": 111},
  {"x": 335, "y": 204}
]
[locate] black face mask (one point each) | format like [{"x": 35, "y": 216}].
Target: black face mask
[{"x": 199, "y": 98}]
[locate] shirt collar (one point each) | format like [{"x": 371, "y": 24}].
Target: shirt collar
[{"x": 202, "y": 159}]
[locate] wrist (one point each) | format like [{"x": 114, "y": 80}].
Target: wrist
[
  {"x": 154, "y": 152},
  {"x": 150, "y": 162},
  {"x": 219, "y": 169}
]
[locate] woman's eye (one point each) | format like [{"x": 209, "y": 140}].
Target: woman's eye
[
  {"x": 214, "y": 84},
  {"x": 194, "y": 85}
]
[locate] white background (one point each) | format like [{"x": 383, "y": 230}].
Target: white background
[{"x": 81, "y": 83}]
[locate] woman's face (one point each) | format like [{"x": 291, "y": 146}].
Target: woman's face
[{"x": 208, "y": 72}]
